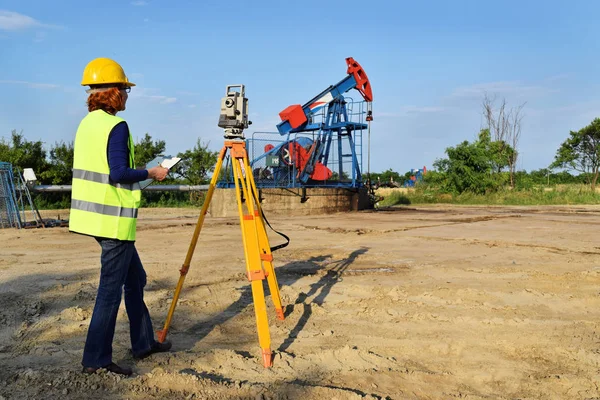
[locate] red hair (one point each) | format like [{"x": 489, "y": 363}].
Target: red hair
[{"x": 111, "y": 101}]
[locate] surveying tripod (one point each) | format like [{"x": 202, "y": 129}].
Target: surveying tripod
[{"x": 257, "y": 252}]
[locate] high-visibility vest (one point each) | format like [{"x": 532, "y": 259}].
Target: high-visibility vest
[{"x": 99, "y": 206}]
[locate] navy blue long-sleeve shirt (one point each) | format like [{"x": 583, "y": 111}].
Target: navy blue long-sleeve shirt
[{"x": 118, "y": 156}]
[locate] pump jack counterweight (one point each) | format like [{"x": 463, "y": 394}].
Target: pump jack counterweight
[{"x": 257, "y": 251}]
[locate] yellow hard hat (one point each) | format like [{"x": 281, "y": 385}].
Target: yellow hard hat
[{"x": 102, "y": 71}]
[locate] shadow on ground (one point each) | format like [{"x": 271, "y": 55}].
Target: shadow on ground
[{"x": 329, "y": 272}]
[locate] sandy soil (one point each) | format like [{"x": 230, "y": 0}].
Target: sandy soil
[{"x": 411, "y": 303}]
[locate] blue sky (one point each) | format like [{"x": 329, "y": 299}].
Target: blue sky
[{"x": 429, "y": 63}]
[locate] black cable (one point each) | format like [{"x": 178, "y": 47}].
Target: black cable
[{"x": 280, "y": 246}]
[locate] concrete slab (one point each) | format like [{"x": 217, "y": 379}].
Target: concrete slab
[{"x": 301, "y": 201}]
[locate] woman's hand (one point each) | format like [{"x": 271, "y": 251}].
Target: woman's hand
[{"x": 158, "y": 173}]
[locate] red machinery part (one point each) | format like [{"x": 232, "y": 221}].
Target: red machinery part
[
  {"x": 321, "y": 172},
  {"x": 362, "y": 80},
  {"x": 294, "y": 154},
  {"x": 294, "y": 114}
]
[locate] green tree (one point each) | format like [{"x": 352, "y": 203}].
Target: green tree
[
  {"x": 60, "y": 167},
  {"x": 22, "y": 153},
  {"x": 541, "y": 176},
  {"x": 388, "y": 177},
  {"x": 505, "y": 131},
  {"x": 147, "y": 149},
  {"x": 581, "y": 152},
  {"x": 474, "y": 167},
  {"x": 196, "y": 164},
  {"x": 435, "y": 179}
]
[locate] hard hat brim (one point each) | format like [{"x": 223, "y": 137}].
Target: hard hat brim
[{"x": 130, "y": 84}]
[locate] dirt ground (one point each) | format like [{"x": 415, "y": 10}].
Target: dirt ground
[{"x": 434, "y": 302}]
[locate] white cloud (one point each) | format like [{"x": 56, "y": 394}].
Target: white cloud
[
  {"x": 387, "y": 114},
  {"x": 583, "y": 110},
  {"x": 39, "y": 37},
  {"x": 12, "y": 21},
  {"x": 139, "y": 3},
  {"x": 505, "y": 88},
  {"x": 559, "y": 77},
  {"x": 421, "y": 110},
  {"x": 184, "y": 93},
  {"x": 33, "y": 85},
  {"x": 168, "y": 100},
  {"x": 159, "y": 99},
  {"x": 151, "y": 95},
  {"x": 409, "y": 110}
]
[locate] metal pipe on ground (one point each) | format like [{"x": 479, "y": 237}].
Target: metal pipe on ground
[{"x": 155, "y": 188}]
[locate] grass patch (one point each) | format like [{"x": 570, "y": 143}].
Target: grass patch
[
  {"x": 393, "y": 199},
  {"x": 557, "y": 195}
]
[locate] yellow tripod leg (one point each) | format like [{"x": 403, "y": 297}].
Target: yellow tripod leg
[
  {"x": 162, "y": 334},
  {"x": 254, "y": 269},
  {"x": 265, "y": 248},
  {"x": 267, "y": 258}
]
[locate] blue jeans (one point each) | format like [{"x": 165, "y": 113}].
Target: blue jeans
[{"x": 121, "y": 266}]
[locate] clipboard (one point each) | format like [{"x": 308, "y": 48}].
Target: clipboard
[{"x": 164, "y": 161}]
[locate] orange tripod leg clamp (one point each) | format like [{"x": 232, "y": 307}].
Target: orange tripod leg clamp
[{"x": 267, "y": 358}]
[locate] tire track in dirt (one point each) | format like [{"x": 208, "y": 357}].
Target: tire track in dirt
[
  {"x": 505, "y": 244},
  {"x": 450, "y": 222},
  {"x": 572, "y": 222}
]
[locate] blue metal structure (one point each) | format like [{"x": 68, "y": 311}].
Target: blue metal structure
[
  {"x": 416, "y": 177},
  {"x": 318, "y": 140},
  {"x": 9, "y": 209}
]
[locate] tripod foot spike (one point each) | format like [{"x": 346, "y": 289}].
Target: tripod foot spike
[
  {"x": 267, "y": 358},
  {"x": 161, "y": 335},
  {"x": 280, "y": 314}
]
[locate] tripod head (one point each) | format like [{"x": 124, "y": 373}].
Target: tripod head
[{"x": 234, "y": 112}]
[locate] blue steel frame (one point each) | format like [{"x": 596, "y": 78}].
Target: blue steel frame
[
  {"x": 8, "y": 197},
  {"x": 338, "y": 146}
]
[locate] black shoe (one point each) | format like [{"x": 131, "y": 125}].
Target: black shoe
[
  {"x": 112, "y": 367},
  {"x": 156, "y": 348}
]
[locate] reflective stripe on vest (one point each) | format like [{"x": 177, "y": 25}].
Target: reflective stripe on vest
[
  {"x": 103, "y": 178},
  {"x": 104, "y": 209},
  {"x": 99, "y": 206}
]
